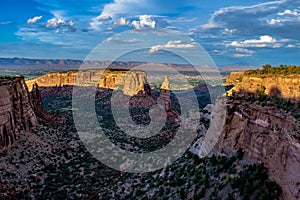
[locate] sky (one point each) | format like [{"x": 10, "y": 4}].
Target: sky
[{"x": 232, "y": 32}]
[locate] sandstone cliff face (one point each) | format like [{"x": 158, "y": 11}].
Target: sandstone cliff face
[
  {"x": 131, "y": 82},
  {"x": 275, "y": 85},
  {"x": 16, "y": 110},
  {"x": 268, "y": 136},
  {"x": 233, "y": 78}
]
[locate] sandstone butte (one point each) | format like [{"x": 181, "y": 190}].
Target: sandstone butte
[
  {"x": 16, "y": 110},
  {"x": 130, "y": 82},
  {"x": 285, "y": 86}
]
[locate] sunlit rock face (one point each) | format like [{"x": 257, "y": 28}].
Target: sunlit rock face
[
  {"x": 130, "y": 82},
  {"x": 16, "y": 110},
  {"x": 266, "y": 135},
  {"x": 284, "y": 86},
  {"x": 234, "y": 77}
]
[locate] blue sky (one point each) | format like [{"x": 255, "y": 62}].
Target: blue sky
[{"x": 233, "y": 32}]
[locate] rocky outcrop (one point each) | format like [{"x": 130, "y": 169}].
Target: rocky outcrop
[
  {"x": 284, "y": 86},
  {"x": 131, "y": 82},
  {"x": 16, "y": 110},
  {"x": 266, "y": 135},
  {"x": 234, "y": 77},
  {"x": 166, "y": 84}
]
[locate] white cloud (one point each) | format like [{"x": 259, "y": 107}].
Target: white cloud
[
  {"x": 58, "y": 23},
  {"x": 263, "y": 41},
  {"x": 145, "y": 21},
  {"x": 234, "y": 12},
  {"x": 289, "y": 12},
  {"x": 34, "y": 19},
  {"x": 103, "y": 18},
  {"x": 122, "y": 41},
  {"x": 276, "y": 21},
  {"x": 286, "y": 16},
  {"x": 275, "y": 18},
  {"x": 120, "y": 6},
  {"x": 122, "y": 22},
  {"x": 243, "y": 50},
  {"x": 4, "y": 23},
  {"x": 99, "y": 20},
  {"x": 176, "y": 44},
  {"x": 227, "y": 30},
  {"x": 241, "y": 55},
  {"x": 290, "y": 46}
]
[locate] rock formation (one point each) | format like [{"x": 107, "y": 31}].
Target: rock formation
[
  {"x": 166, "y": 84},
  {"x": 285, "y": 86},
  {"x": 266, "y": 135},
  {"x": 131, "y": 82},
  {"x": 16, "y": 110},
  {"x": 234, "y": 77},
  {"x": 146, "y": 99}
]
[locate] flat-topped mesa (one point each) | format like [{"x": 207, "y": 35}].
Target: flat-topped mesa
[
  {"x": 284, "y": 86},
  {"x": 16, "y": 110},
  {"x": 130, "y": 82}
]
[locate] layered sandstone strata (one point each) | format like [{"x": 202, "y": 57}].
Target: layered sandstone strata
[
  {"x": 130, "y": 82},
  {"x": 284, "y": 86},
  {"x": 16, "y": 110},
  {"x": 266, "y": 135}
]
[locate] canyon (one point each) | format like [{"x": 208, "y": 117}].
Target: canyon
[{"x": 265, "y": 134}]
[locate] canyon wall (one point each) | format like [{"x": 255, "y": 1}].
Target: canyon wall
[
  {"x": 234, "y": 78},
  {"x": 266, "y": 135},
  {"x": 16, "y": 110},
  {"x": 285, "y": 86},
  {"x": 131, "y": 82}
]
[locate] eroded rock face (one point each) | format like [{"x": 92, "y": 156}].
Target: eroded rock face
[
  {"x": 234, "y": 77},
  {"x": 16, "y": 110},
  {"x": 131, "y": 82},
  {"x": 266, "y": 135},
  {"x": 287, "y": 87}
]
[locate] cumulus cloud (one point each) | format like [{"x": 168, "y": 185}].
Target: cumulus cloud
[
  {"x": 276, "y": 21},
  {"x": 289, "y": 12},
  {"x": 34, "y": 19},
  {"x": 59, "y": 23},
  {"x": 131, "y": 8},
  {"x": 122, "y": 22},
  {"x": 285, "y": 17},
  {"x": 176, "y": 44},
  {"x": 99, "y": 20},
  {"x": 263, "y": 41},
  {"x": 145, "y": 21},
  {"x": 290, "y": 46}
]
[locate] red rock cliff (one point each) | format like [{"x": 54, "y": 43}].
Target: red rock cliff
[
  {"x": 266, "y": 135},
  {"x": 16, "y": 110},
  {"x": 131, "y": 82},
  {"x": 285, "y": 86}
]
